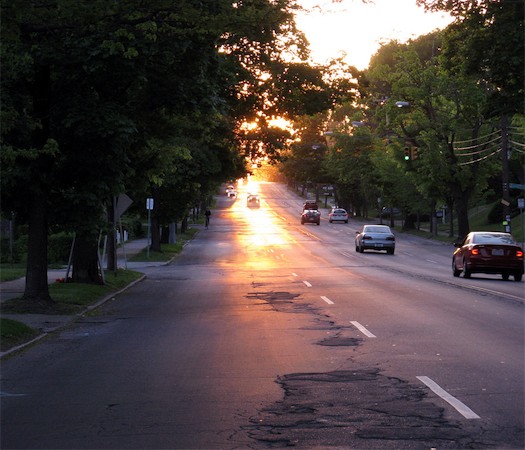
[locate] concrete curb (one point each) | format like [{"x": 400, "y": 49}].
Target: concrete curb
[{"x": 71, "y": 319}]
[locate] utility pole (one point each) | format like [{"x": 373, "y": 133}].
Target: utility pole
[{"x": 505, "y": 173}]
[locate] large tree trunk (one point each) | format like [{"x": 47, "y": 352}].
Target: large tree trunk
[
  {"x": 461, "y": 203},
  {"x": 36, "y": 287},
  {"x": 85, "y": 260},
  {"x": 112, "y": 245},
  {"x": 155, "y": 234},
  {"x": 165, "y": 234},
  {"x": 184, "y": 224}
]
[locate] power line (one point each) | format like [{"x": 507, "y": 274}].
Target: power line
[
  {"x": 480, "y": 137},
  {"x": 477, "y": 145},
  {"x": 480, "y": 159}
]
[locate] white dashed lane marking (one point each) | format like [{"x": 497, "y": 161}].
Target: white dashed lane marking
[
  {"x": 327, "y": 300},
  {"x": 362, "y": 329},
  {"x": 463, "y": 409}
]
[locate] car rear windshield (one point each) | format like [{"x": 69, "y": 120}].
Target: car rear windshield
[
  {"x": 493, "y": 239},
  {"x": 339, "y": 211},
  {"x": 377, "y": 230}
]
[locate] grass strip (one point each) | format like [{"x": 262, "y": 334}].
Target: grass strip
[
  {"x": 168, "y": 251},
  {"x": 13, "y": 333},
  {"x": 10, "y": 272},
  {"x": 72, "y": 298}
]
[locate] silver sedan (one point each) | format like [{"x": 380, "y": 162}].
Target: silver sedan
[{"x": 375, "y": 237}]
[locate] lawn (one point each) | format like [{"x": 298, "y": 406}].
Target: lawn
[{"x": 73, "y": 298}]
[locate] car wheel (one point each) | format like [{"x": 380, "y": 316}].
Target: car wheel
[
  {"x": 318, "y": 223},
  {"x": 330, "y": 221},
  {"x": 346, "y": 221},
  {"x": 361, "y": 249},
  {"x": 518, "y": 276},
  {"x": 466, "y": 272},
  {"x": 390, "y": 251},
  {"x": 455, "y": 270},
  {"x": 505, "y": 276}
]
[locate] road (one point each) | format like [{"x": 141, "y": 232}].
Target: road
[{"x": 266, "y": 333}]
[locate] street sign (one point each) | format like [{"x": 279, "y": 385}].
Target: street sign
[
  {"x": 123, "y": 202},
  {"x": 149, "y": 204}
]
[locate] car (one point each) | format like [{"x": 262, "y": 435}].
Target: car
[
  {"x": 229, "y": 189},
  {"x": 489, "y": 252},
  {"x": 310, "y": 204},
  {"x": 252, "y": 201},
  {"x": 375, "y": 237},
  {"x": 311, "y": 216},
  {"x": 338, "y": 214}
]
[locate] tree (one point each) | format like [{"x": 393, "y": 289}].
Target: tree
[
  {"x": 443, "y": 107},
  {"x": 487, "y": 42},
  {"x": 90, "y": 89}
]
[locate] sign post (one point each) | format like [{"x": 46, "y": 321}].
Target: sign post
[
  {"x": 521, "y": 206},
  {"x": 149, "y": 207}
]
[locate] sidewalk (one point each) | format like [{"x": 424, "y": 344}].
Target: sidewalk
[{"x": 49, "y": 323}]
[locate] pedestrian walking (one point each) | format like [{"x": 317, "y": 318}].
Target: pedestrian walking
[{"x": 207, "y": 214}]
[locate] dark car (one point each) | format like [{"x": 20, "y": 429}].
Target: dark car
[
  {"x": 488, "y": 252},
  {"x": 310, "y": 204},
  {"x": 375, "y": 237},
  {"x": 252, "y": 201},
  {"x": 311, "y": 216}
]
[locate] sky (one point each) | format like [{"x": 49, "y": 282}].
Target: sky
[{"x": 359, "y": 29}]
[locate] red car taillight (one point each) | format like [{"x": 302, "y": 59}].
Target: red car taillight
[
  {"x": 474, "y": 251},
  {"x": 390, "y": 238},
  {"x": 519, "y": 254},
  {"x": 367, "y": 237}
]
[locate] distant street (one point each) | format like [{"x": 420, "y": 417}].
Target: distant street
[{"x": 265, "y": 333}]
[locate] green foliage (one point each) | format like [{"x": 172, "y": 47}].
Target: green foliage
[
  {"x": 13, "y": 333},
  {"x": 100, "y": 98},
  {"x": 12, "y": 271},
  {"x": 16, "y": 254},
  {"x": 59, "y": 247},
  {"x": 487, "y": 42}
]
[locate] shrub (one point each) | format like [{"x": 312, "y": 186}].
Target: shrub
[{"x": 59, "y": 247}]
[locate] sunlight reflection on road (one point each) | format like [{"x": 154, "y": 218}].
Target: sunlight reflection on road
[{"x": 262, "y": 233}]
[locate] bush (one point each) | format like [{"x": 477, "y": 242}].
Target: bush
[
  {"x": 133, "y": 225},
  {"x": 495, "y": 214},
  {"x": 19, "y": 250},
  {"x": 59, "y": 247}
]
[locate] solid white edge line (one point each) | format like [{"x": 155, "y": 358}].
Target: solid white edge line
[
  {"x": 362, "y": 329},
  {"x": 327, "y": 300},
  {"x": 463, "y": 409},
  {"x": 307, "y": 284}
]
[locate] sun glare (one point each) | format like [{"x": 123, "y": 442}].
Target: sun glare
[{"x": 280, "y": 123}]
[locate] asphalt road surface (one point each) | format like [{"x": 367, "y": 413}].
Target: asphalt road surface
[{"x": 266, "y": 333}]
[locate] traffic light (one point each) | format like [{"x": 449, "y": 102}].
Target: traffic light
[{"x": 407, "y": 153}]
